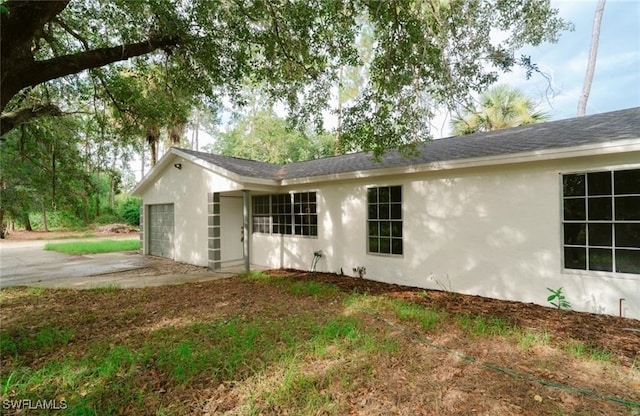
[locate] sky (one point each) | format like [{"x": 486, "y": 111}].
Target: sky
[{"x": 616, "y": 83}]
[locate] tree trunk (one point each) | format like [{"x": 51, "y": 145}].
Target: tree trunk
[
  {"x": 593, "y": 54},
  {"x": 27, "y": 221},
  {"x": 45, "y": 225},
  {"x": 2, "y": 226}
]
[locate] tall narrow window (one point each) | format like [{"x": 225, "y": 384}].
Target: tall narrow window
[
  {"x": 384, "y": 220},
  {"x": 281, "y": 214},
  {"x": 304, "y": 214},
  {"x": 261, "y": 214},
  {"x": 601, "y": 221}
]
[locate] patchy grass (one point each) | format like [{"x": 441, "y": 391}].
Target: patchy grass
[
  {"x": 94, "y": 247},
  {"x": 262, "y": 344}
]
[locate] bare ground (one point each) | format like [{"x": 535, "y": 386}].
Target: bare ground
[
  {"x": 446, "y": 371},
  {"x": 442, "y": 372}
]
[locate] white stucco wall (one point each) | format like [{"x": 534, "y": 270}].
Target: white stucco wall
[
  {"x": 492, "y": 231},
  {"x": 187, "y": 189}
]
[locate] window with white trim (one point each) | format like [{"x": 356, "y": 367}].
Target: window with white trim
[
  {"x": 287, "y": 214},
  {"x": 601, "y": 221},
  {"x": 384, "y": 220},
  {"x": 305, "y": 217},
  {"x": 261, "y": 214}
]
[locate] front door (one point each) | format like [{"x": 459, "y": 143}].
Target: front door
[{"x": 231, "y": 230}]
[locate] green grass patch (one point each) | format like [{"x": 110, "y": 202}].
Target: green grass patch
[
  {"x": 256, "y": 275},
  {"x": 528, "y": 339},
  {"x": 481, "y": 326},
  {"x": 113, "y": 287},
  {"x": 428, "y": 318},
  {"x": 312, "y": 288},
  {"x": 581, "y": 350},
  {"x": 93, "y": 247},
  {"x": 42, "y": 340}
]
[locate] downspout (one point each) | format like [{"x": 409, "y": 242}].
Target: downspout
[{"x": 246, "y": 202}]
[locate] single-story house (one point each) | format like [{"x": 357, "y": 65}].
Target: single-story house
[{"x": 504, "y": 214}]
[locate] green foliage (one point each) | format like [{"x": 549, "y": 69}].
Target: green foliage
[
  {"x": 561, "y": 301},
  {"x": 203, "y": 50},
  {"x": 129, "y": 210},
  {"x": 92, "y": 247},
  {"x": 499, "y": 108},
  {"x": 261, "y": 135}
]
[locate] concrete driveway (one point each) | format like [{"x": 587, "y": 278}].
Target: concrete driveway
[{"x": 25, "y": 263}]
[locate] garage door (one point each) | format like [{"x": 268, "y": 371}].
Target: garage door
[{"x": 161, "y": 230}]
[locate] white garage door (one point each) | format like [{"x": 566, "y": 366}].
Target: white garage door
[{"x": 161, "y": 230}]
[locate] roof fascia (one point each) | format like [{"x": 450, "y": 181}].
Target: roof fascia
[
  {"x": 591, "y": 149},
  {"x": 212, "y": 167}
]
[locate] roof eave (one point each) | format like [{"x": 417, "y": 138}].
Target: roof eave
[
  {"x": 173, "y": 153},
  {"x": 591, "y": 149}
]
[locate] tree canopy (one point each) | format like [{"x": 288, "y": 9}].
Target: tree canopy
[
  {"x": 425, "y": 53},
  {"x": 499, "y": 107}
]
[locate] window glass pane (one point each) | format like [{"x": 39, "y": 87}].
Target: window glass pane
[
  {"x": 628, "y": 261},
  {"x": 600, "y": 259},
  {"x": 599, "y": 183},
  {"x": 396, "y": 194},
  {"x": 628, "y": 208},
  {"x": 628, "y": 235},
  {"x": 373, "y": 244},
  {"x": 600, "y": 235},
  {"x": 396, "y": 211},
  {"x": 385, "y": 245},
  {"x": 575, "y": 258},
  {"x": 573, "y": 185},
  {"x": 383, "y": 210},
  {"x": 627, "y": 182},
  {"x": 396, "y": 229},
  {"x": 574, "y": 209},
  {"x": 396, "y": 246},
  {"x": 312, "y": 197},
  {"x": 372, "y": 195},
  {"x": 374, "y": 230},
  {"x": 373, "y": 212},
  {"x": 600, "y": 208},
  {"x": 575, "y": 234},
  {"x": 385, "y": 229},
  {"x": 313, "y": 230},
  {"x": 383, "y": 194}
]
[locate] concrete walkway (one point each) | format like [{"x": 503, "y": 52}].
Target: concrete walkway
[{"x": 25, "y": 263}]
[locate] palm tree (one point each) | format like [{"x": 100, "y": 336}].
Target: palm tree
[{"x": 500, "y": 107}]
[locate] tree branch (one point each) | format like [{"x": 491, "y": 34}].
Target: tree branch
[
  {"x": 25, "y": 19},
  {"x": 12, "y": 119},
  {"x": 36, "y": 72}
]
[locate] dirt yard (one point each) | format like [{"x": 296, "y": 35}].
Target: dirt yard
[
  {"x": 446, "y": 370},
  {"x": 533, "y": 360}
]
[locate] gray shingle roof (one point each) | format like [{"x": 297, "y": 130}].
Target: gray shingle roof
[{"x": 598, "y": 128}]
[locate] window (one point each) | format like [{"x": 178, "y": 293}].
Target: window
[
  {"x": 305, "y": 217},
  {"x": 261, "y": 214},
  {"x": 384, "y": 219},
  {"x": 281, "y": 214},
  {"x": 601, "y": 221},
  {"x": 292, "y": 214}
]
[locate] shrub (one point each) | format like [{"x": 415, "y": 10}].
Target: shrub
[{"x": 128, "y": 210}]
